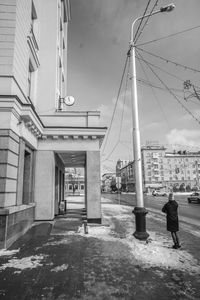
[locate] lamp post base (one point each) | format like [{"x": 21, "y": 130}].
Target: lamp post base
[{"x": 140, "y": 221}]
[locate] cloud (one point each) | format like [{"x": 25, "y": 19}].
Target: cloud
[{"x": 185, "y": 137}]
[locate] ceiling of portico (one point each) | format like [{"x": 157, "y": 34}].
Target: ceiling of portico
[{"x": 72, "y": 159}]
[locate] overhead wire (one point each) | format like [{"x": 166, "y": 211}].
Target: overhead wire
[
  {"x": 150, "y": 84},
  {"x": 118, "y": 141},
  {"x": 124, "y": 100},
  {"x": 169, "y": 61},
  {"x": 167, "y": 36},
  {"x": 141, "y": 21},
  {"x": 118, "y": 94},
  {"x": 175, "y": 96},
  {"x": 141, "y": 31},
  {"x": 164, "y": 71},
  {"x": 154, "y": 94}
]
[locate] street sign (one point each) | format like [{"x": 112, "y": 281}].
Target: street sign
[{"x": 118, "y": 182}]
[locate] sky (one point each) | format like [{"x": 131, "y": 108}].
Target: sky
[{"x": 99, "y": 35}]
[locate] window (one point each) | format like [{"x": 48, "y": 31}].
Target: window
[
  {"x": 149, "y": 173},
  {"x": 82, "y": 186},
  {"x": 149, "y": 178}
]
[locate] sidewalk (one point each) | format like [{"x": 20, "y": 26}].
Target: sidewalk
[{"x": 57, "y": 260}]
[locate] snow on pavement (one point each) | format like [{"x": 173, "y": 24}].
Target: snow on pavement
[
  {"x": 4, "y": 252},
  {"x": 156, "y": 251},
  {"x": 29, "y": 262}
]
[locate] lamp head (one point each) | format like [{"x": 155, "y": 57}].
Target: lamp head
[{"x": 167, "y": 8}]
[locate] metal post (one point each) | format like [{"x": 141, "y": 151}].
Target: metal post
[{"x": 139, "y": 211}]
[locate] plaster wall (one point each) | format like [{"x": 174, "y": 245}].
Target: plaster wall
[
  {"x": 44, "y": 185},
  {"x": 93, "y": 186},
  {"x": 7, "y": 36},
  {"x": 46, "y": 89},
  {"x": 69, "y": 144}
]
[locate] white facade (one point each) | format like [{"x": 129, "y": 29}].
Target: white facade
[
  {"x": 37, "y": 139},
  {"x": 168, "y": 170}
]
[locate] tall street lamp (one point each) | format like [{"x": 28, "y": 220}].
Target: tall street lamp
[{"x": 139, "y": 211}]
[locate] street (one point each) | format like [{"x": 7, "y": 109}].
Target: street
[
  {"x": 189, "y": 212},
  {"x": 58, "y": 261}
]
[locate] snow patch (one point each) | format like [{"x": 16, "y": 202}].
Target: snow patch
[
  {"x": 157, "y": 251},
  {"x": 30, "y": 262},
  {"x": 60, "y": 268},
  {"x": 60, "y": 242},
  {"x": 5, "y": 252}
]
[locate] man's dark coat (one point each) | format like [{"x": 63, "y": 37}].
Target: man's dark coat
[{"x": 171, "y": 209}]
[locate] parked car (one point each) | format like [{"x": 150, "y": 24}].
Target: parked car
[
  {"x": 159, "y": 193},
  {"x": 195, "y": 197}
]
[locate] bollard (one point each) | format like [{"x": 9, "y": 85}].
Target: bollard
[{"x": 85, "y": 227}]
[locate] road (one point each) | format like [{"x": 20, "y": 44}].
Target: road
[{"x": 190, "y": 212}]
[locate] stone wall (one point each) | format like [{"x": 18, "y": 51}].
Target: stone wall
[{"x": 14, "y": 222}]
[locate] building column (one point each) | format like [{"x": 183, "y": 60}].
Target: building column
[
  {"x": 92, "y": 188},
  {"x": 20, "y": 172},
  {"x": 9, "y": 151},
  {"x": 44, "y": 185}
]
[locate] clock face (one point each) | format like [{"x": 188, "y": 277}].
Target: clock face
[{"x": 69, "y": 100}]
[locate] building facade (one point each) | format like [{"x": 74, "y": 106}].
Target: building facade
[
  {"x": 74, "y": 182},
  {"x": 163, "y": 170},
  {"x": 38, "y": 138},
  {"x": 178, "y": 170},
  {"x": 125, "y": 170}
]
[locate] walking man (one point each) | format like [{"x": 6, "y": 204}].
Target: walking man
[{"x": 171, "y": 210}]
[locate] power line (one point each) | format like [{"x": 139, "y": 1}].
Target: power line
[
  {"x": 175, "y": 97},
  {"x": 136, "y": 39},
  {"x": 170, "y": 35},
  {"x": 169, "y": 61},
  {"x": 155, "y": 96},
  {"x": 124, "y": 98},
  {"x": 164, "y": 71},
  {"x": 108, "y": 156},
  {"x": 141, "y": 21},
  {"x": 150, "y": 84},
  {"x": 119, "y": 91}
]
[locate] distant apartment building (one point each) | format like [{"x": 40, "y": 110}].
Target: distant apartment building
[
  {"x": 163, "y": 170},
  {"x": 107, "y": 179},
  {"x": 125, "y": 170},
  {"x": 39, "y": 136},
  {"x": 178, "y": 170}
]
